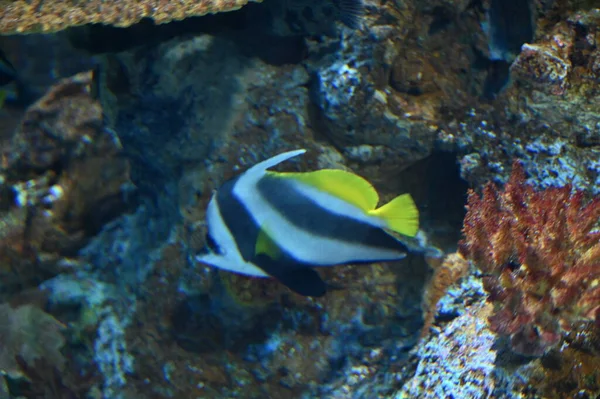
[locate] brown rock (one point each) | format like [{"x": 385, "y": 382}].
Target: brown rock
[
  {"x": 413, "y": 75},
  {"x": 62, "y": 177}
]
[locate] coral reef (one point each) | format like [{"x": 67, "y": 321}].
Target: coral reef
[
  {"x": 446, "y": 363},
  {"x": 194, "y": 103},
  {"x": 21, "y": 16},
  {"x": 546, "y": 116},
  {"x": 540, "y": 254},
  {"x": 62, "y": 176}
]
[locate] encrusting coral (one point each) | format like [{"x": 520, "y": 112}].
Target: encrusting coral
[
  {"x": 540, "y": 253},
  {"x": 22, "y": 16}
]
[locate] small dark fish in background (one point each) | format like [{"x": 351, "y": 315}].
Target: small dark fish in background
[
  {"x": 8, "y": 77},
  {"x": 510, "y": 24},
  {"x": 8, "y": 72},
  {"x": 12, "y": 89},
  {"x": 306, "y": 17}
]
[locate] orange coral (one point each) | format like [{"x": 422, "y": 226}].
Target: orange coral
[
  {"x": 24, "y": 16},
  {"x": 540, "y": 252}
]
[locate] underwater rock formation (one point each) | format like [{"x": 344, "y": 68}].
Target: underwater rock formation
[
  {"x": 446, "y": 273},
  {"x": 62, "y": 177},
  {"x": 466, "y": 359},
  {"x": 362, "y": 116},
  {"x": 458, "y": 362},
  {"x": 546, "y": 117}
]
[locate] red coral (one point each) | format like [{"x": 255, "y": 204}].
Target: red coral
[{"x": 540, "y": 253}]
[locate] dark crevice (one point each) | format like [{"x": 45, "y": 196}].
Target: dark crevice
[
  {"x": 498, "y": 76},
  {"x": 440, "y": 194},
  {"x": 443, "y": 17},
  {"x": 511, "y": 24},
  {"x": 582, "y": 47},
  {"x": 237, "y": 26}
]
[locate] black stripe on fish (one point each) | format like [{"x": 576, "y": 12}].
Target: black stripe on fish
[
  {"x": 301, "y": 280},
  {"x": 305, "y": 214},
  {"x": 243, "y": 227},
  {"x": 240, "y": 223}
]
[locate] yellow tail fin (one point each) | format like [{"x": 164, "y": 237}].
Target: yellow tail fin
[{"x": 401, "y": 215}]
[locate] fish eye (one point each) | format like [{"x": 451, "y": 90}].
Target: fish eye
[{"x": 212, "y": 244}]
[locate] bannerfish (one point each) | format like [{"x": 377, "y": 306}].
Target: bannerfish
[
  {"x": 282, "y": 225},
  {"x": 305, "y": 17}
]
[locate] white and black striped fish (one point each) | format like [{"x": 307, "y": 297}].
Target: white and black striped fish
[{"x": 281, "y": 225}]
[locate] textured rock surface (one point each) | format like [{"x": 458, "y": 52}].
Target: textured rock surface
[
  {"x": 547, "y": 117},
  {"x": 459, "y": 362},
  {"x": 62, "y": 177}
]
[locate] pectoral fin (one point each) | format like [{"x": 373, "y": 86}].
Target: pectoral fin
[
  {"x": 302, "y": 280},
  {"x": 266, "y": 246}
]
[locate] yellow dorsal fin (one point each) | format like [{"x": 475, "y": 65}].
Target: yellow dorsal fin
[
  {"x": 339, "y": 183},
  {"x": 265, "y": 245},
  {"x": 400, "y": 214}
]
